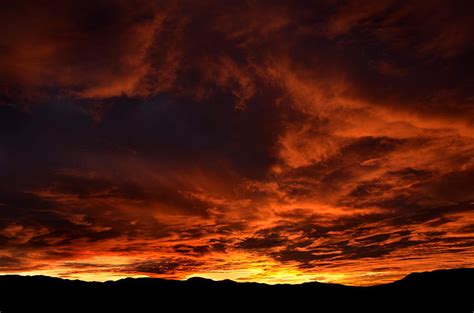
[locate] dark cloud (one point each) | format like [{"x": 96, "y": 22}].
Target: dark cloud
[
  {"x": 7, "y": 262},
  {"x": 262, "y": 241},
  {"x": 164, "y": 266}
]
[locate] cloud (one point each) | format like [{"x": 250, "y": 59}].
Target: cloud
[
  {"x": 164, "y": 266},
  {"x": 268, "y": 140},
  {"x": 88, "y": 51}
]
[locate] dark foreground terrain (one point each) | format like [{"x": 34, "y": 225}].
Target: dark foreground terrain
[{"x": 438, "y": 291}]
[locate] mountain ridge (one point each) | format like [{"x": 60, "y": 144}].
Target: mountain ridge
[
  {"x": 204, "y": 279},
  {"x": 435, "y": 291}
]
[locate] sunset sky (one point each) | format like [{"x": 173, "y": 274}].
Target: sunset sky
[{"x": 268, "y": 141}]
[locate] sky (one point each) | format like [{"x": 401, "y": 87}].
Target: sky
[{"x": 267, "y": 141}]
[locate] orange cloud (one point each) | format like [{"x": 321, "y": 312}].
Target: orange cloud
[{"x": 258, "y": 142}]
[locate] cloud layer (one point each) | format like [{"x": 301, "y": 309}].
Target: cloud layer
[{"x": 269, "y": 141}]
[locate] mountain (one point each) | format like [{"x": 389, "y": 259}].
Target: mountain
[{"x": 437, "y": 291}]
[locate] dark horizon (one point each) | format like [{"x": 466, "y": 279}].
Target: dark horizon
[
  {"x": 202, "y": 280},
  {"x": 438, "y": 291}
]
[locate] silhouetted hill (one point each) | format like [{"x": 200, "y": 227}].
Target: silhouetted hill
[{"x": 438, "y": 291}]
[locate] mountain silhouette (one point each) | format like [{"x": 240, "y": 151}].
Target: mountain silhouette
[{"x": 437, "y": 291}]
